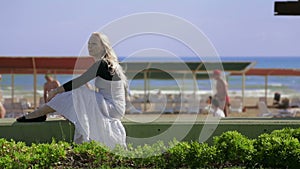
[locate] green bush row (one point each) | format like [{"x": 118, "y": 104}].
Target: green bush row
[{"x": 279, "y": 149}]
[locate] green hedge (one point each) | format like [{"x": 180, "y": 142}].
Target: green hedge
[{"x": 279, "y": 149}]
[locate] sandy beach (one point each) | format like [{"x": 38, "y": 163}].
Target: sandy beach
[
  {"x": 250, "y": 104},
  {"x": 250, "y": 109}
]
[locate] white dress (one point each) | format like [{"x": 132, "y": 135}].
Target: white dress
[{"x": 96, "y": 115}]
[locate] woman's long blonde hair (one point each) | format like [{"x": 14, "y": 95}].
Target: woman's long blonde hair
[{"x": 110, "y": 57}]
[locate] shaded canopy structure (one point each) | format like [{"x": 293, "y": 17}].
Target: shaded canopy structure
[
  {"x": 266, "y": 72},
  {"x": 270, "y": 72},
  {"x": 196, "y": 70},
  {"x": 43, "y": 65},
  {"x": 172, "y": 70},
  {"x": 134, "y": 69}
]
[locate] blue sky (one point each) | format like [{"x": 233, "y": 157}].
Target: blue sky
[{"x": 62, "y": 27}]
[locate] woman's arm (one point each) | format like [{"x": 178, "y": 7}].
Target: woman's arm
[{"x": 90, "y": 74}]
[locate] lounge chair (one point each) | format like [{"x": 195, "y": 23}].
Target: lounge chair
[
  {"x": 179, "y": 104},
  {"x": 134, "y": 108},
  {"x": 193, "y": 104},
  {"x": 263, "y": 110},
  {"x": 286, "y": 113},
  {"x": 262, "y": 99},
  {"x": 295, "y": 102},
  {"x": 157, "y": 103},
  {"x": 236, "y": 105},
  {"x": 169, "y": 108}
]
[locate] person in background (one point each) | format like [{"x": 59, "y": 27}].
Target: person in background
[
  {"x": 2, "y": 108},
  {"x": 208, "y": 101},
  {"x": 222, "y": 91},
  {"x": 50, "y": 84},
  {"x": 285, "y": 110},
  {"x": 2, "y": 111}
]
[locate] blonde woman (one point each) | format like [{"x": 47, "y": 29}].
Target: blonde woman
[{"x": 96, "y": 115}]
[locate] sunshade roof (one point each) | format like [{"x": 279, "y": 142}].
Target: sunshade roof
[
  {"x": 172, "y": 70},
  {"x": 270, "y": 72},
  {"x": 42, "y": 65},
  {"x": 155, "y": 70}
]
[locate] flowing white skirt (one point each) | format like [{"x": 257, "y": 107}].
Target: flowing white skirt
[{"x": 90, "y": 113}]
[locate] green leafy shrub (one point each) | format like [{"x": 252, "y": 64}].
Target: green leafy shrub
[
  {"x": 233, "y": 148},
  {"x": 147, "y": 156},
  {"x": 122, "y": 156},
  {"x": 176, "y": 155},
  {"x": 278, "y": 150},
  {"x": 287, "y": 132},
  {"x": 89, "y": 154},
  {"x": 14, "y": 155},
  {"x": 201, "y": 155},
  {"x": 150, "y": 155},
  {"x": 47, "y": 155},
  {"x": 296, "y": 133}
]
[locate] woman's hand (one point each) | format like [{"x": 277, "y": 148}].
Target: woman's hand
[
  {"x": 51, "y": 94},
  {"x": 54, "y": 92}
]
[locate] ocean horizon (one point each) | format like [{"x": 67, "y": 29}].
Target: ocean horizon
[{"x": 287, "y": 85}]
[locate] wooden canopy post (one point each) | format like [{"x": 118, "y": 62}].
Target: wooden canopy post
[
  {"x": 243, "y": 88},
  {"x": 34, "y": 84},
  {"x": 194, "y": 83},
  {"x": 12, "y": 87},
  {"x": 266, "y": 89},
  {"x": 145, "y": 90}
]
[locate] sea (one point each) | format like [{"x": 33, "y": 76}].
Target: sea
[{"x": 255, "y": 85}]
